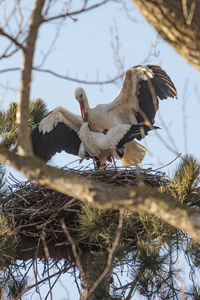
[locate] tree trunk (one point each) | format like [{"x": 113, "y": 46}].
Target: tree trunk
[
  {"x": 178, "y": 22},
  {"x": 92, "y": 269}
]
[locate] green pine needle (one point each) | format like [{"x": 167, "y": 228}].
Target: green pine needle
[
  {"x": 8, "y": 126},
  {"x": 185, "y": 183},
  {"x": 98, "y": 225},
  {"x": 7, "y": 243}
]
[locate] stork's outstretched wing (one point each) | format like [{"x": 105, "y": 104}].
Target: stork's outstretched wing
[
  {"x": 55, "y": 133},
  {"x": 60, "y": 138},
  {"x": 159, "y": 86},
  {"x": 138, "y": 98}
]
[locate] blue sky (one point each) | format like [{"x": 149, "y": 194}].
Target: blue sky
[{"x": 83, "y": 50}]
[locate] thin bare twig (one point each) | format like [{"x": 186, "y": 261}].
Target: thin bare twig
[
  {"x": 20, "y": 14},
  {"x": 6, "y": 54},
  {"x": 28, "y": 288},
  {"x": 14, "y": 40},
  {"x": 10, "y": 70},
  {"x": 81, "y": 10},
  {"x": 49, "y": 282},
  {"x": 46, "y": 250},
  {"x": 166, "y": 128},
  {"x": 157, "y": 169},
  {"x": 115, "y": 45},
  {"x": 188, "y": 15},
  {"x": 75, "y": 79},
  {"x": 78, "y": 263},
  {"x": 153, "y": 52},
  {"x": 52, "y": 43},
  {"x": 52, "y": 286}
]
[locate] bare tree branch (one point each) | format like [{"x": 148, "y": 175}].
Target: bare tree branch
[
  {"x": 57, "y": 33},
  {"x": 59, "y": 273},
  {"x": 112, "y": 80},
  {"x": 14, "y": 40},
  {"x": 10, "y": 70},
  {"x": 81, "y": 10},
  {"x": 73, "y": 245},
  {"x": 25, "y": 147},
  {"x": 6, "y": 54},
  {"x": 96, "y": 82}
]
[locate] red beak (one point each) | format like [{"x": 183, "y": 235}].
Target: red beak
[{"x": 83, "y": 112}]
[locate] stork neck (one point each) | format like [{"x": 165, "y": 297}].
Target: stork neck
[
  {"x": 85, "y": 108},
  {"x": 86, "y": 104}
]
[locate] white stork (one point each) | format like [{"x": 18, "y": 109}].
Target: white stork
[
  {"x": 114, "y": 143},
  {"x": 136, "y": 103}
]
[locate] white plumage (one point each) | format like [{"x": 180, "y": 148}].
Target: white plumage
[
  {"x": 60, "y": 115},
  {"x": 105, "y": 145}
]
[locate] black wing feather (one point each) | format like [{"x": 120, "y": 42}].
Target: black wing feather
[
  {"x": 146, "y": 103},
  {"x": 164, "y": 88},
  {"x": 165, "y": 82},
  {"x": 62, "y": 137},
  {"x": 135, "y": 132}
]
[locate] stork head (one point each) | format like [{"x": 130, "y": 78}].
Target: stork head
[{"x": 81, "y": 97}]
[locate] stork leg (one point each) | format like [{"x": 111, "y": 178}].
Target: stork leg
[
  {"x": 97, "y": 164},
  {"x": 114, "y": 164},
  {"x": 110, "y": 159}
]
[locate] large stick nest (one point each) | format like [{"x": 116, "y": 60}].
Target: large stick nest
[{"x": 35, "y": 212}]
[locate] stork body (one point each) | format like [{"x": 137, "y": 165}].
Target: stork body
[{"x": 114, "y": 143}]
